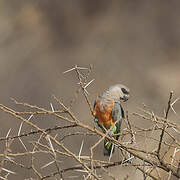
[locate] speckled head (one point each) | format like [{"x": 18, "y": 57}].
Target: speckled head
[{"x": 118, "y": 92}]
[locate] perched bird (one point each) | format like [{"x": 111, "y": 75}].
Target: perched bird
[{"x": 108, "y": 112}]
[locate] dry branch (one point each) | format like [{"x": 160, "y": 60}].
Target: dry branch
[{"x": 148, "y": 161}]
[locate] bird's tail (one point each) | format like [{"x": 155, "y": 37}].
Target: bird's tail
[{"x": 108, "y": 148}]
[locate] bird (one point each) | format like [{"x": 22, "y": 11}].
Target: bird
[{"x": 108, "y": 113}]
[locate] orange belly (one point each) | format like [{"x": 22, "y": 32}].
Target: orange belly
[{"x": 104, "y": 116}]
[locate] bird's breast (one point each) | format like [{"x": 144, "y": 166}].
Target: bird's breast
[{"x": 104, "y": 114}]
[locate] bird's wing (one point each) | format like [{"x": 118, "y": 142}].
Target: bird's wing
[
  {"x": 118, "y": 115},
  {"x": 95, "y": 119}
]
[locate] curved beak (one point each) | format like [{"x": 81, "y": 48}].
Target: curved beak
[{"x": 125, "y": 97}]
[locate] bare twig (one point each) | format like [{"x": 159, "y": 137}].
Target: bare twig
[
  {"x": 45, "y": 141},
  {"x": 165, "y": 125}
]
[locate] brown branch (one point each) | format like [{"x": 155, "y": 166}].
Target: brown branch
[
  {"x": 133, "y": 154},
  {"x": 130, "y": 150},
  {"x": 48, "y": 130},
  {"x": 165, "y": 125},
  {"x": 81, "y": 168},
  {"x": 9, "y": 111},
  {"x": 147, "y": 173}
]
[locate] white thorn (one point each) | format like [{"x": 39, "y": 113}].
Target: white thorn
[
  {"x": 86, "y": 91},
  {"x": 8, "y": 133},
  {"x": 9, "y": 158},
  {"x": 175, "y": 101},
  {"x": 128, "y": 159},
  {"x": 7, "y": 175},
  {"x": 55, "y": 136},
  {"x": 20, "y": 128},
  {"x": 152, "y": 113},
  {"x": 173, "y": 109},
  {"x": 47, "y": 164},
  {"x": 11, "y": 172},
  {"x": 164, "y": 112},
  {"x": 111, "y": 151},
  {"x": 175, "y": 130},
  {"x": 87, "y": 157},
  {"x": 81, "y": 68},
  {"x": 80, "y": 170},
  {"x": 51, "y": 146},
  {"x": 22, "y": 144},
  {"x": 175, "y": 151},
  {"x": 7, "y": 136},
  {"x": 81, "y": 148},
  {"x": 30, "y": 117},
  {"x": 69, "y": 70},
  {"x": 172, "y": 104},
  {"x": 75, "y": 67},
  {"x": 3, "y": 178},
  {"x": 89, "y": 83},
  {"x": 52, "y": 108}
]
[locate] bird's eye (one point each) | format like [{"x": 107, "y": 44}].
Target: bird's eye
[{"x": 124, "y": 91}]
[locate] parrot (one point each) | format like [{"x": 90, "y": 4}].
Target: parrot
[{"x": 108, "y": 113}]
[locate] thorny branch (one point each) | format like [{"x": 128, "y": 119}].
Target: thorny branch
[
  {"x": 165, "y": 124},
  {"x": 150, "y": 162}
]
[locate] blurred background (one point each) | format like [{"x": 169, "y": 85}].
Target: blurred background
[{"x": 136, "y": 43}]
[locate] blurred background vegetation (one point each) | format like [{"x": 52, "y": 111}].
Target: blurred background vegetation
[{"x": 136, "y": 43}]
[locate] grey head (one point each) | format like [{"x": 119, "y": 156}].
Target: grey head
[{"x": 118, "y": 93}]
